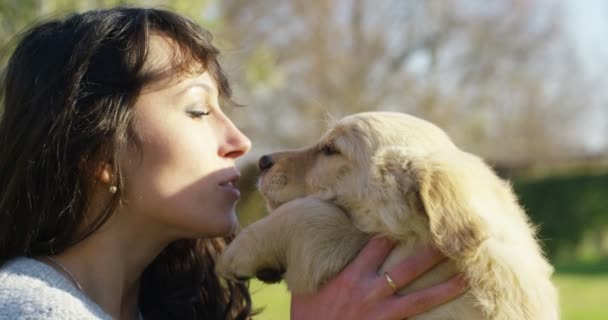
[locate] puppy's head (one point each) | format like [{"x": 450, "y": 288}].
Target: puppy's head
[
  {"x": 392, "y": 172},
  {"x": 341, "y": 165}
]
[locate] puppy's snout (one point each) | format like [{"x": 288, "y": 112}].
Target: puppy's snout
[{"x": 265, "y": 162}]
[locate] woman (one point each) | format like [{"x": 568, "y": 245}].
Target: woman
[{"x": 117, "y": 182}]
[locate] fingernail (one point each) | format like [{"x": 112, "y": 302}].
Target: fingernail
[{"x": 384, "y": 240}]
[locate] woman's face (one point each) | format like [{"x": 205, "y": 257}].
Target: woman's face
[{"x": 183, "y": 176}]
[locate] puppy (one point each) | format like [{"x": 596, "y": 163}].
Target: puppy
[{"x": 402, "y": 177}]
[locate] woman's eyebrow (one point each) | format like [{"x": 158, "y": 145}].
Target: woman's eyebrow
[{"x": 205, "y": 86}]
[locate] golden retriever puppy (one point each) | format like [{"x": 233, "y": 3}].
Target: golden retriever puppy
[{"x": 400, "y": 176}]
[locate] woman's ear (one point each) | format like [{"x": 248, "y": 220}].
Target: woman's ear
[{"x": 447, "y": 197}]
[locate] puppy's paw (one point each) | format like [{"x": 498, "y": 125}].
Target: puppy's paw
[
  {"x": 243, "y": 260},
  {"x": 236, "y": 263}
]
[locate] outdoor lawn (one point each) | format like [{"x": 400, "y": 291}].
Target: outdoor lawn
[
  {"x": 584, "y": 296},
  {"x": 583, "y": 289}
]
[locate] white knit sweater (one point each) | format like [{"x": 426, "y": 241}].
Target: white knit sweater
[{"x": 30, "y": 289}]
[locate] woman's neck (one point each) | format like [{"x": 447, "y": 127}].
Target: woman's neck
[{"x": 108, "y": 264}]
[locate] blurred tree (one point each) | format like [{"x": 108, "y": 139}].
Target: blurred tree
[{"x": 498, "y": 76}]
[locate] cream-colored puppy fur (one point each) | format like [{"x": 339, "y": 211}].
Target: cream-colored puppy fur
[{"x": 400, "y": 176}]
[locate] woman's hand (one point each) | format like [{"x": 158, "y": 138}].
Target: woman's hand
[{"x": 359, "y": 292}]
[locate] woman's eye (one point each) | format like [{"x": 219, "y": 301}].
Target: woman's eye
[
  {"x": 195, "y": 114},
  {"x": 329, "y": 150}
]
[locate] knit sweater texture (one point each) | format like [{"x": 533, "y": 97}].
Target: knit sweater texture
[{"x": 30, "y": 289}]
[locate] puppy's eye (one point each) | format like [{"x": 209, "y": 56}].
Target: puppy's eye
[{"x": 329, "y": 150}]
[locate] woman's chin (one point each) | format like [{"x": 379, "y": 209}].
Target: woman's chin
[{"x": 223, "y": 227}]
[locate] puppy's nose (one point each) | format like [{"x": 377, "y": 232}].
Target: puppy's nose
[{"x": 265, "y": 162}]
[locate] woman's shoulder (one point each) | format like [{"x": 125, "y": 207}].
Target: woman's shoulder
[
  {"x": 27, "y": 276},
  {"x": 32, "y": 289}
]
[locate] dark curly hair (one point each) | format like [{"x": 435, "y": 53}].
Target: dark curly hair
[{"x": 68, "y": 94}]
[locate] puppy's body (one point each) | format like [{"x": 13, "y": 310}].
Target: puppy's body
[{"x": 400, "y": 176}]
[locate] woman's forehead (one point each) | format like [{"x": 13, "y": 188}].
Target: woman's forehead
[{"x": 164, "y": 55}]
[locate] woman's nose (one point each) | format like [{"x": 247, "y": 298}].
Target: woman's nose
[{"x": 236, "y": 144}]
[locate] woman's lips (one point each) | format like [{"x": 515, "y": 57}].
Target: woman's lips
[{"x": 229, "y": 185}]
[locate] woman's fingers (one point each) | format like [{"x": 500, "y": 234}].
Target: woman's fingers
[
  {"x": 409, "y": 269},
  {"x": 423, "y": 300},
  {"x": 354, "y": 294},
  {"x": 371, "y": 256}
]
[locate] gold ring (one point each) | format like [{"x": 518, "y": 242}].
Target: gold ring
[{"x": 390, "y": 281}]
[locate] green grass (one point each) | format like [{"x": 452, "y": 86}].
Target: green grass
[
  {"x": 274, "y": 299},
  {"x": 583, "y": 296},
  {"x": 583, "y": 288}
]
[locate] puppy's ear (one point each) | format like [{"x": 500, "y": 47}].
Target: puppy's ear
[
  {"x": 440, "y": 187},
  {"x": 446, "y": 183}
]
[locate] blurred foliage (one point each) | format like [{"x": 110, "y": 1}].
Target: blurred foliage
[
  {"x": 567, "y": 208},
  {"x": 260, "y": 70},
  {"x": 598, "y": 266}
]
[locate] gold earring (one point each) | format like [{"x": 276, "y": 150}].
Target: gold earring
[{"x": 113, "y": 189}]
